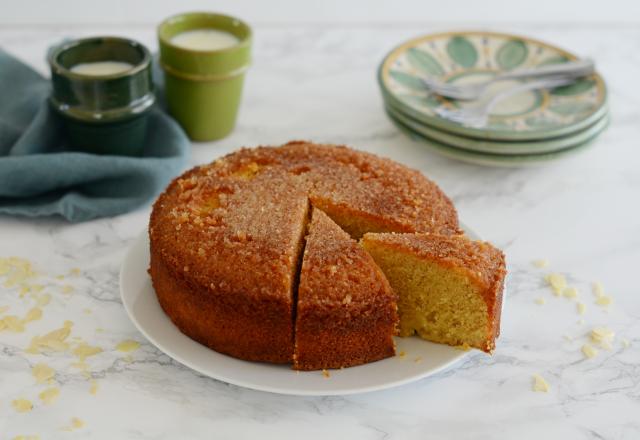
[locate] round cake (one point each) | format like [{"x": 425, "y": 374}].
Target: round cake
[{"x": 227, "y": 241}]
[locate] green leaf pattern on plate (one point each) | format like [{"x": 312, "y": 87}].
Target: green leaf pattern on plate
[
  {"x": 462, "y": 51},
  {"x": 423, "y": 61},
  {"x": 576, "y": 88},
  {"x": 407, "y": 80},
  {"x": 459, "y": 57},
  {"x": 512, "y": 54}
]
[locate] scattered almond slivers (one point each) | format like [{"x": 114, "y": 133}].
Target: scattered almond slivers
[
  {"x": 604, "y": 300},
  {"x": 570, "y": 292},
  {"x": 603, "y": 336},
  {"x": 52, "y": 341},
  {"x": 84, "y": 350},
  {"x": 581, "y": 308},
  {"x": 94, "y": 387},
  {"x": 76, "y": 423},
  {"x": 540, "y": 301},
  {"x": 539, "y": 384}
]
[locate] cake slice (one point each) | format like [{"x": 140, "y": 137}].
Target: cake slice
[
  {"x": 346, "y": 310},
  {"x": 449, "y": 287}
]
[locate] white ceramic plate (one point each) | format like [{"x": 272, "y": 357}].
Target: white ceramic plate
[{"x": 420, "y": 359}]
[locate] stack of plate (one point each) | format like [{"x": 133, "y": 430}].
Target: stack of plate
[{"x": 525, "y": 129}]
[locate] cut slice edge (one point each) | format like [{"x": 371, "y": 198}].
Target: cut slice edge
[
  {"x": 449, "y": 288},
  {"x": 346, "y": 311}
]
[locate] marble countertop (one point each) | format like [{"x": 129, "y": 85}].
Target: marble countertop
[{"x": 582, "y": 214}]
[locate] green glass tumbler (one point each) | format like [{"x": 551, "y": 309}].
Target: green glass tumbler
[
  {"x": 103, "y": 113},
  {"x": 203, "y": 87}
]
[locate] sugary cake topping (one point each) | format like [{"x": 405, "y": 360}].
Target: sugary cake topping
[{"x": 539, "y": 384}]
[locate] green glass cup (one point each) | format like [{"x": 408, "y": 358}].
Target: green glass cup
[
  {"x": 103, "y": 113},
  {"x": 203, "y": 87}
]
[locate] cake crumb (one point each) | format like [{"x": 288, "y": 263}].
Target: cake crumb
[
  {"x": 540, "y": 263},
  {"x": 402, "y": 354},
  {"x": 539, "y": 384},
  {"x": 540, "y": 301},
  {"x": 22, "y": 405},
  {"x": 581, "y": 308},
  {"x": 127, "y": 346},
  {"x": 326, "y": 374},
  {"x": 49, "y": 395},
  {"x": 42, "y": 372},
  {"x": 589, "y": 351},
  {"x": 570, "y": 292}
]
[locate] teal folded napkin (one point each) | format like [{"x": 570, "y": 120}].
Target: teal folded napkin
[{"x": 40, "y": 177}]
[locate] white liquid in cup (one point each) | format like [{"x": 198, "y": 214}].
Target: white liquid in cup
[
  {"x": 101, "y": 68},
  {"x": 205, "y": 39}
]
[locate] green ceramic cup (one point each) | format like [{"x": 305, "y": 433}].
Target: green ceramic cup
[
  {"x": 103, "y": 114},
  {"x": 203, "y": 87}
]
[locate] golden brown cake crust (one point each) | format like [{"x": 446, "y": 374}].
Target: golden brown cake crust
[
  {"x": 229, "y": 235},
  {"x": 482, "y": 262},
  {"x": 346, "y": 311}
]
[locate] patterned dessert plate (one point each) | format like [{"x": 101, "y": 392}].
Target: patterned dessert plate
[
  {"x": 465, "y": 57},
  {"x": 493, "y": 160},
  {"x": 501, "y": 147},
  {"x": 420, "y": 358}
]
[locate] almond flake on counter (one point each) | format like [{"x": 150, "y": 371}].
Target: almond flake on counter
[
  {"x": 94, "y": 387},
  {"x": 540, "y": 301},
  {"x": 557, "y": 281},
  {"x": 67, "y": 289},
  {"x": 76, "y": 423},
  {"x": 603, "y": 336},
  {"x": 598, "y": 288},
  {"x": 49, "y": 395},
  {"x": 43, "y": 300},
  {"x": 326, "y": 374},
  {"x": 13, "y": 324},
  {"x": 22, "y": 405},
  {"x": 604, "y": 300},
  {"x": 581, "y": 308},
  {"x": 32, "y": 315},
  {"x": 567, "y": 337},
  {"x": 402, "y": 354},
  {"x": 540, "y": 263},
  {"x": 75, "y": 271},
  {"x": 570, "y": 292},
  {"x": 53, "y": 341},
  {"x": 589, "y": 351},
  {"x": 42, "y": 372},
  {"x": 127, "y": 346},
  {"x": 539, "y": 384},
  {"x": 85, "y": 350}
]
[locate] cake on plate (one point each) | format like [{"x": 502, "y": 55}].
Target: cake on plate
[{"x": 228, "y": 259}]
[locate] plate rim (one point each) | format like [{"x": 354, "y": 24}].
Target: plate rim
[
  {"x": 142, "y": 241},
  {"x": 455, "y": 128},
  {"x": 570, "y": 140}
]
